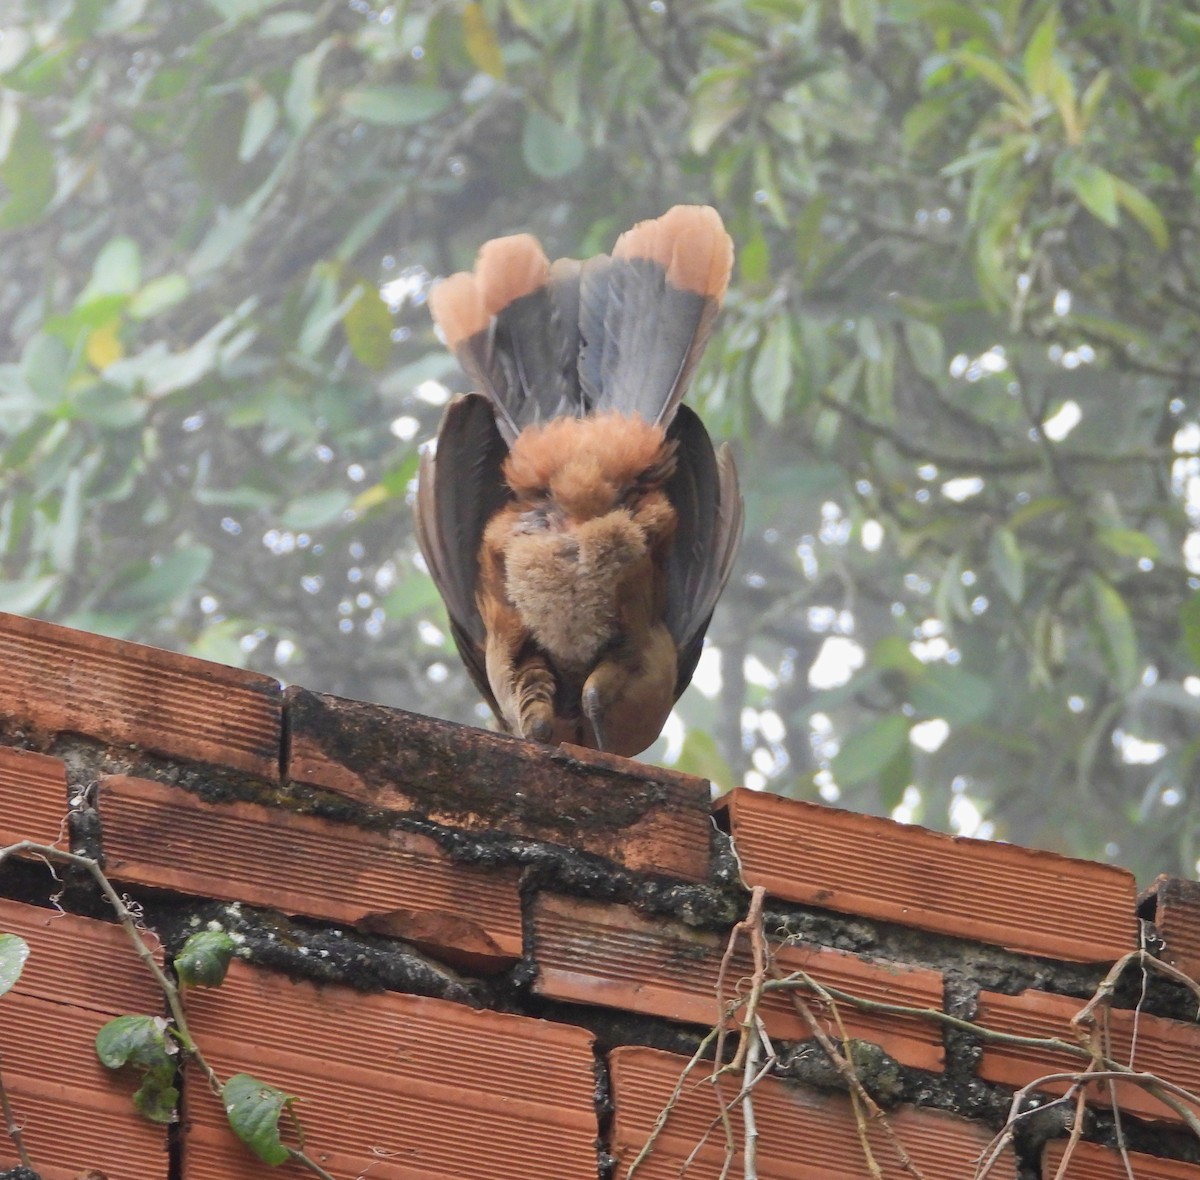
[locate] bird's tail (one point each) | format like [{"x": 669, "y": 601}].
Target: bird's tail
[{"x": 613, "y": 333}]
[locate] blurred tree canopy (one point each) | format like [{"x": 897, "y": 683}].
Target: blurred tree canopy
[{"x": 959, "y": 361}]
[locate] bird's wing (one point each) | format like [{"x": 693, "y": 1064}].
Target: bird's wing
[
  {"x": 704, "y": 492},
  {"x": 459, "y": 488}
]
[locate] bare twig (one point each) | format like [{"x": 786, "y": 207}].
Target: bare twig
[
  {"x": 846, "y": 1069},
  {"x": 13, "y": 1128},
  {"x": 672, "y": 1102},
  {"x": 749, "y": 1122}
]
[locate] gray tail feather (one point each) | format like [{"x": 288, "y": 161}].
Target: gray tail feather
[
  {"x": 605, "y": 334},
  {"x": 526, "y": 360}
]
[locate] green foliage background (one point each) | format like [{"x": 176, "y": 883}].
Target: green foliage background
[{"x": 956, "y": 223}]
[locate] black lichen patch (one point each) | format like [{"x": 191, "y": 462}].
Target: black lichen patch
[
  {"x": 991, "y": 968},
  {"x": 880, "y": 1074},
  {"x": 489, "y": 778},
  {"x": 321, "y": 953},
  {"x": 613, "y": 1027}
]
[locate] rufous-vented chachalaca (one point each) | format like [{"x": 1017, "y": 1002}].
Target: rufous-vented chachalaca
[{"x": 575, "y": 516}]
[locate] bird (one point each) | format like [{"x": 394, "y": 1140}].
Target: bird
[{"x": 573, "y": 513}]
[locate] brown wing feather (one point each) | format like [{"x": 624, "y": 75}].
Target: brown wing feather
[
  {"x": 708, "y": 505},
  {"x": 460, "y": 487}
]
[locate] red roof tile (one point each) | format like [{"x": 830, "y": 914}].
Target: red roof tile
[
  {"x": 1176, "y": 917},
  {"x": 33, "y": 797},
  {"x": 802, "y": 1135},
  {"x": 74, "y": 1113},
  {"x": 1034, "y": 902},
  {"x": 66, "y": 681},
  {"x": 1090, "y": 1161},
  {"x": 398, "y": 883},
  {"x": 642, "y": 817},
  {"x": 595, "y": 953},
  {"x": 79, "y": 961},
  {"x": 437, "y": 1089},
  {"x": 1169, "y": 1049}
]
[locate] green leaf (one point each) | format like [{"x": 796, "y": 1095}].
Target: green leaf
[
  {"x": 895, "y": 777},
  {"x": 301, "y": 101},
  {"x": 1042, "y": 506},
  {"x": 772, "y": 375},
  {"x": 754, "y": 258},
  {"x": 922, "y": 120},
  {"x": 45, "y": 365},
  {"x": 254, "y": 1109},
  {"x": 1142, "y": 209},
  {"x": 550, "y": 150},
  {"x": 700, "y": 756},
  {"x": 866, "y": 752},
  {"x": 132, "y": 1040},
  {"x": 70, "y": 515},
  {"x": 892, "y": 653},
  {"x": 1007, "y": 562},
  {"x": 1189, "y": 623},
  {"x": 481, "y": 42},
  {"x": 286, "y": 24},
  {"x": 1096, "y": 89},
  {"x": 860, "y": 17},
  {"x": 26, "y": 595},
  {"x": 992, "y": 72},
  {"x": 1118, "y": 637},
  {"x": 393, "y": 485},
  {"x": 1097, "y": 191},
  {"x": 14, "y": 950},
  {"x": 954, "y": 694},
  {"x": 718, "y": 99},
  {"x": 140, "y": 1042},
  {"x": 116, "y": 271},
  {"x": 1129, "y": 543},
  {"x": 926, "y": 349},
  {"x": 315, "y": 509},
  {"x": 414, "y": 594},
  {"x": 27, "y": 171},
  {"x": 159, "y": 295},
  {"x": 204, "y": 958},
  {"x": 158, "y": 585},
  {"x": 950, "y": 596},
  {"x": 262, "y": 114},
  {"x": 368, "y": 326},
  {"x": 1039, "y": 53},
  {"x": 396, "y": 106}
]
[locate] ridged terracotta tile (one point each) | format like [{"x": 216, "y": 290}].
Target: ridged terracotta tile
[
  {"x": 435, "y": 1088},
  {"x": 1091, "y": 1161},
  {"x": 80, "y": 961},
  {"x": 1173, "y": 905},
  {"x": 75, "y": 1114},
  {"x": 1170, "y": 1049},
  {"x": 396, "y": 883},
  {"x": 640, "y": 816},
  {"x": 65, "y": 681},
  {"x": 802, "y": 1135},
  {"x": 33, "y": 796},
  {"x": 1029, "y": 901},
  {"x": 594, "y": 953}
]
